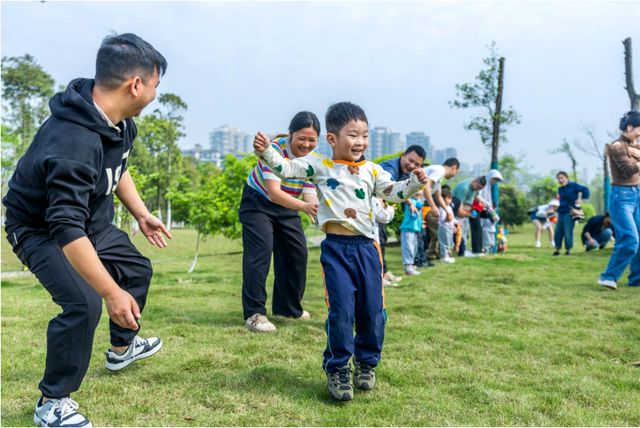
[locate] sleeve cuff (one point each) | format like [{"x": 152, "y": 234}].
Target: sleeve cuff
[{"x": 68, "y": 235}]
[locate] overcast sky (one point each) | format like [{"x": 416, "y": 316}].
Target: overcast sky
[{"x": 255, "y": 64}]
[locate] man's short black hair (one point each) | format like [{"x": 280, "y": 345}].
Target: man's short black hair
[
  {"x": 339, "y": 114},
  {"x": 419, "y": 150},
  {"x": 452, "y": 162},
  {"x": 123, "y": 56},
  {"x": 482, "y": 180},
  {"x": 562, "y": 173}
]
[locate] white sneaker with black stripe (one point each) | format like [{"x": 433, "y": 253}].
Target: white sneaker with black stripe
[
  {"x": 59, "y": 413},
  {"x": 138, "y": 349}
]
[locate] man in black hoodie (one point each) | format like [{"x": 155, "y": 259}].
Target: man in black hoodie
[{"x": 59, "y": 213}]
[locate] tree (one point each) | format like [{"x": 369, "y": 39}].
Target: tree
[
  {"x": 173, "y": 105},
  {"x": 486, "y": 93},
  {"x": 542, "y": 191},
  {"x": 565, "y": 148},
  {"x": 213, "y": 207},
  {"x": 513, "y": 210},
  {"x": 634, "y": 98},
  {"x": 26, "y": 89}
]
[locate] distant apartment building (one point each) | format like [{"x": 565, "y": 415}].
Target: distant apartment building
[
  {"x": 421, "y": 139},
  {"x": 230, "y": 140},
  {"x": 383, "y": 141},
  {"x": 439, "y": 156},
  {"x": 204, "y": 155}
]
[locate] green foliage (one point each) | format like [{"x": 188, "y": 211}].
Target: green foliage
[
  {"x": 387, "y": 157},
  {"x": 513, "y": 206},
  {"x": 482, "y": 94},
  {"x": 542, "y": 191},
  {"x": 213, "y": 207},
  {"x": 589, "y": 210},
  {"x": 26, "y": 89}
]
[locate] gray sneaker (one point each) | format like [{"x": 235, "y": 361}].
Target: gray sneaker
[
  {"x": 59, "y": 413},
  {"x": 140, "y": 348},
  {"x": 339, "y": 384},
  {"x": 364, "y": 376}
]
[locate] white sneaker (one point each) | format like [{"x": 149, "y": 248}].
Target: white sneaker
[
  {"x": 537, "y": 244},
  {"x": 411, "y": 271},
  {"x": 608, "y": 283},
  {"x": 390, "y": 277},
  {"x": 138, "y": 349},
  {"x": 387, "y": 283},
  {"x": 59, "y": 413},
  {"x": 468, "y": 253},
  {"x": 552, "y": 244},
  {"x": 448, "y": 260},
  {"x": 305, "y": 316},
  {"x": 259, "y": 323}
]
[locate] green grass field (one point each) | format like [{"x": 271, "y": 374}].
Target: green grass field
[{"x": 516, "y": 339}]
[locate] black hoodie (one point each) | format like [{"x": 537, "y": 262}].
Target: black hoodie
[{"x": 64, "y": 183}]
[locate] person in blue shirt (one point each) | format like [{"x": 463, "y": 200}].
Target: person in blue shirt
[
  {"x": 409, "y": 229},
  {"x": 570, "y": 194},
  {"x": 399, "y": 167}
]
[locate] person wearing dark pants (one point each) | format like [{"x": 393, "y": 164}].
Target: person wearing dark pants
[
  {"x": 571, "y": 194},
  {"x": 352, "y": 273},
  {"x": 597, "y": 232},
  {"x": 270, "y": 228},
  {"x": 271, "y": 225},
  {"x": 59, "y": 214},
  {"x": 475, "y": 226},
  {"x": 71, "y": 332}
]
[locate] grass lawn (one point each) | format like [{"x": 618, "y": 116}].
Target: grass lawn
[{"x": 517, "y": 339}]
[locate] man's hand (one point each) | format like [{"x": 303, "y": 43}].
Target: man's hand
[
  {"x": 153, "y": 229},
  {"x": 261, "y": 142},
  {"x": 122, "y": 308}
]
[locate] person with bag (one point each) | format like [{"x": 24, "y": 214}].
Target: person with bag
[
  {"x": 624, "y": 203},
  {"x": 570, "y": 194}
]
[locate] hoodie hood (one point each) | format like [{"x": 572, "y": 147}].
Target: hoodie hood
[
  {"x": 485, "y": 193},
  {"x": 75, "y": 104}
]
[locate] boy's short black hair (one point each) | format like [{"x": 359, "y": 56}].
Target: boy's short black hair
[
  {"x": 445, "y": 192},
  {"x": 452, "y": 162},
  {"x": 339, "y": 114},
  {"x": 123, "y": 56},
  {"x": 562, "y": 173},
  {"x": 445, "y": 186},
  {"x": 419, "y": 150},
  {"x": 482, "y": 180}
]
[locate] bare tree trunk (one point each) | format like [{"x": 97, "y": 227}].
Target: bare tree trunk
[
  {"x": 634, "y": 98},
  {"x": 195, "y": 258}
]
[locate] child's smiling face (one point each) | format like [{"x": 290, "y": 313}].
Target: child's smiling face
[{"x": 350, "y": 142}]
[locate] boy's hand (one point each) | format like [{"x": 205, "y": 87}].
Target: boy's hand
[
  {"x": 261, "y": 142},
  {"x": 422, "y": 176}
]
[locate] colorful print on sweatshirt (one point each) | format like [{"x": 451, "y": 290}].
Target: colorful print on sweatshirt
[{"x": 346, "y": 189}]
